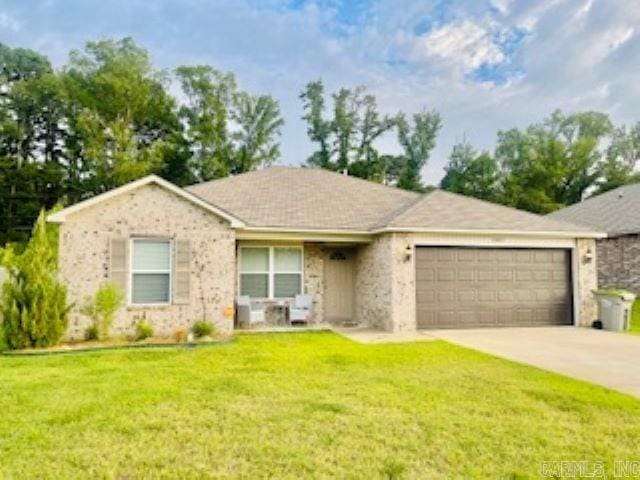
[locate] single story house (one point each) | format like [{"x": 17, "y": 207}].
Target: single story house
[
  {"x": 368, "y": 254},
  {"x": 617, "y": 213}
]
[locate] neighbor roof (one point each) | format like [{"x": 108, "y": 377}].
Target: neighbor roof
[
  {"x": 616, "y": 212},
  {"x": 315, "y": 199}
]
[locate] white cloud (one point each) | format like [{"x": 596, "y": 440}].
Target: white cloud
[{"x": 464, "y": 44}]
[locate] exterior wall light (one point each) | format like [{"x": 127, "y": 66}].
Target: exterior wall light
[{"x": 588, "y": 256}]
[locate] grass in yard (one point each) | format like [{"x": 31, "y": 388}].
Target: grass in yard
[{"x": 301, "y": 405}]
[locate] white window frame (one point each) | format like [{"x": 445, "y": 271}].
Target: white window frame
[
  {"x": 272, "y": 273},
  {"x": 133, "y": 271}
]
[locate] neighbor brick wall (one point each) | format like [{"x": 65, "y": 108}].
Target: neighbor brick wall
[
  {"x": 619, "y": 262},
  {"x": 150, "y": 211}
]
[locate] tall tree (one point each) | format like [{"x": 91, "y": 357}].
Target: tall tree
[
  {"x": 347, "y": 138},
  {"x": 229, "y": 131},
  {"x": 622, "y": 157},
  {"x": 121, "y": 118},
  {"x": 471, "y": 173},
  {"x": 30, "y": 133},
  {"x": 417, "y": 140}
]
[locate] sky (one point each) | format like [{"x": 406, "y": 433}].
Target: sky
[{"x": 484, "y": 65}]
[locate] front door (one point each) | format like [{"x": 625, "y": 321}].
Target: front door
[{"x": 339, "y": 275}]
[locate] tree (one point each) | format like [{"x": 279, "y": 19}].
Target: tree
[
  {"x": 470, "y": 173},
  {"x": 347, "y": 139},
  {"x": 121, "y": 118},
  {"x": 30, "y": 136},
  {"x": 34, "y": 308},
  {"x": 228, "y": 131},
  {"x": 551, "y": 164},
  {"x": 621, "y": 161},
  {"x": 417, "y": 140}
]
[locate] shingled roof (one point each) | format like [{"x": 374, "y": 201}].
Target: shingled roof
[
  {"x": 616, "y": 212},
  {"x": 306, "y": 198}
]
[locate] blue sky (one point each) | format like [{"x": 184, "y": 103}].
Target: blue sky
[{"x": 484, "y": 65}]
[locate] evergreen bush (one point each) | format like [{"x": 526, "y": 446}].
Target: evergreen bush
[{"x": 34, "y": 304}]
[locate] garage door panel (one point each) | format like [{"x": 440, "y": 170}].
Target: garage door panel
[{"x": 476, "y": 287}]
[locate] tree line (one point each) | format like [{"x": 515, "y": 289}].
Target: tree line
[
  {"x": 110, "y": 116},
  {"x": 548, "y": 165}
]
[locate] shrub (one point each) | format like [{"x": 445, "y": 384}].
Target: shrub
[
  {"x": 92, "y": 332},
  {"x": 143, "y": 330},
  {"x": 179, "y": 334},
  {"x": 34, "y": 304},
  {"x": 202, "y": 328},
  {"x": 102, "y": 307}
]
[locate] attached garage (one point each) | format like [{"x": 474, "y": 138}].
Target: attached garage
[{"x": 459, "y": 287}]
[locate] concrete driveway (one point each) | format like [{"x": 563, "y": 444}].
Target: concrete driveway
[{"x": 606, "y": 358}]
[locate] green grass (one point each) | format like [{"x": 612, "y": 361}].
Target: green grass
[{"x": 301, "y": 405}]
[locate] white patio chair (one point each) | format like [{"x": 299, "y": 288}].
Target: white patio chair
[
  {"x": 301, "y": 310},
  {"x": 249, "y": 313}
]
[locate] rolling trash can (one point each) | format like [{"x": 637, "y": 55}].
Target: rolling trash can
[{"x": 614, "y": 309}]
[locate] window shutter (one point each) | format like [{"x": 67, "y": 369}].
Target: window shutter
[
  {"x": 182, "y": 272},
  {"x": 118, "y": 262}
]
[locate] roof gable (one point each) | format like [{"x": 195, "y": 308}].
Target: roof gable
[
  {"x": 61, "y": 216},
  {"x": 615, "y": 212}
]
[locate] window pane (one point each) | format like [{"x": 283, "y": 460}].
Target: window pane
[
  {"x": 150, "y": 288},
  {"x": 287, "y": 285},
  {"x": 288, "y": 260},
  {"x": 151, "y": 255},
  {"x": 254, "y": 260},
  {"x": 254, "y": 285}
]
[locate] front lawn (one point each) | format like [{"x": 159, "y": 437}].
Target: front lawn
[{"x": 301, "y": 405}]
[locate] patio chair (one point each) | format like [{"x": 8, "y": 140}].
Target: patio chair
[
  {"x": 301, "y": 310},
  {"x": 249, "y": 313}
]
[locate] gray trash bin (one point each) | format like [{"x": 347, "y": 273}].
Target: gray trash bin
[{"x": 614, "y": 309}]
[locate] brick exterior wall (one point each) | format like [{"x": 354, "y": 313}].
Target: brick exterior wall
[
  {"x": 619, "y": 262},
  {"x": 385, "y": 277},
  {"x": 150, "y": 211},
  {"x": 587, "y": 281}
]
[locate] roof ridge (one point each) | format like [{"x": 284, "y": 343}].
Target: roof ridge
[
  {"x": 369, "y": 183},
  {"x": 402, "y": 210}
]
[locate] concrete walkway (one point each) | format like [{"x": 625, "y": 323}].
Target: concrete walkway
[{"x": 606, "y": 358}]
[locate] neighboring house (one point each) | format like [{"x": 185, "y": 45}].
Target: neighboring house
[
  {"x": 617, "y": 213},
  {"x": 367, "y": 253}
]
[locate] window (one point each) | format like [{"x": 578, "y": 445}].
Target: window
[
  {"x": 270, "y": 272},
  {"x": 150, "y": 271}
]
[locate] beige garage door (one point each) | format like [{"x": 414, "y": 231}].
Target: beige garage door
[{"x": 485, "y": 287}]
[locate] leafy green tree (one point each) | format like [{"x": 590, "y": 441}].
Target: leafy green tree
[
  {"x": 621, "y": 161},
  {"x": 228, "y": 131},
  {"x": 34, "y": 306},
  {"x": 471, "y": 173},
  {"x": 31, "y": 167},
  {"x": 121, "y": 116},
  {"x": 553, "y": 163},
  {"x": 347, "y": 139},
  {"x": 417, "y": 139}
]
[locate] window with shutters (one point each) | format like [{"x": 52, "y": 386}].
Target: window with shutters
[
  {"x": 270, "y": 272},
  {"x": 150, "y": 271}
]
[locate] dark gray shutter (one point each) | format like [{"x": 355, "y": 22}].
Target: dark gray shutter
[
  {"x": 118, "y": 262},
  {"x": 182, "y": 272}
]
